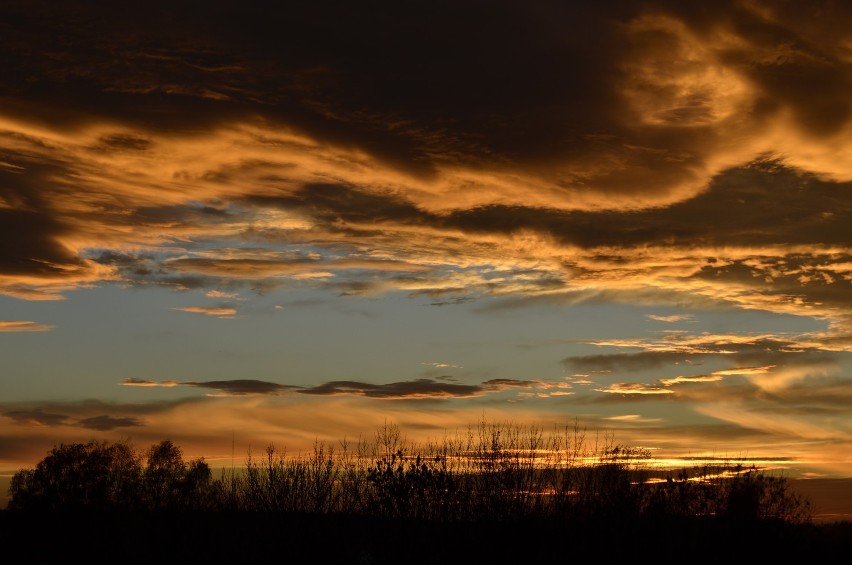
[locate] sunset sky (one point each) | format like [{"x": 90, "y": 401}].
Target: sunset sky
[{"x": 276, "y": 222}]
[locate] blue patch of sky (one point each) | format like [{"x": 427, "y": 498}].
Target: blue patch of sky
[{"x": 110, "y": 333}]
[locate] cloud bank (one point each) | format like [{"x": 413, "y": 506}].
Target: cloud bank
[{"x": 643, "y": 149}]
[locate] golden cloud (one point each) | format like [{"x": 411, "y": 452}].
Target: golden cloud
[{"x": 23, "y": 326}]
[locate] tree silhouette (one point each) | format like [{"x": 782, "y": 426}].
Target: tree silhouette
[
  {"x": 163, "y": 474},
  {"x": 103, "y": 476},
  {"x": 94, "y": 475}
]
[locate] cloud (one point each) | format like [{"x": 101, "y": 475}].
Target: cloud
[
  {"x": 502, "y": 384},
  {"x": 745, "y": 371},
  {"x": 220, "y": 294},
  {"x": 220, "y": 312},
  {"x": 682, "y": 161},
  {"x": 656, "y": 154},
  {"x": 767, "y": 362},
  {"x": 240, "y": 386},
  {"x": 134, "y": 381},
  {"x": 23, "y": 326},
  {"x": 715, "y": 377},
  {"x": 260, "y": 268},
  {"x": 207, "y": 426},
  {"x": 629, "y": 361},
  {"x": 36, "y": 416},
  {"x": 671, "y": 319},
  {"x": 50, "y": 419},
  {"x": 441, "y": 387},
  {"x": 106, "y": 423},
  {"x": 229, "y": 387},
  {"x": 418, "y": 388},
  {"x": 634, "y": 389}
]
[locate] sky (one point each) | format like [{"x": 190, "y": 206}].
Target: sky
[{"x": 236, "y": 224}]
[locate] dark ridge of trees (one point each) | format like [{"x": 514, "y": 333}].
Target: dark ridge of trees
[{"x": 495, "y": 492}]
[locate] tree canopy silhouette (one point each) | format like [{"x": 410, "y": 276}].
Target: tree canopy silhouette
[{"x": 104, "y": 476}]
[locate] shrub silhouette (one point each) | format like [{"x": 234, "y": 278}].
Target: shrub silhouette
[{"x": 417, "y": 487}]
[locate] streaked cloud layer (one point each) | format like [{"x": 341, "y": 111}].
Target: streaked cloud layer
[{"x": 689, "y": 159}]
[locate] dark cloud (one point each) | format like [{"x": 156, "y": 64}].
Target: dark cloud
[
  {"x": 107, "y": 423},
  {"x": 582, "y": 100},
  {"x": 440, "y": 387},
  {"x": 333, "y": 203},
  {"x": 638, "y": 361},
  {"x": 38, "y": 232},
  {"x": 124, "y": 142},
  {"x": 823, "y": 397},
  {"x": 500, "y": 384},
  {"x": 51, "y": 419},
  {"x": 689, "y": 133},
  {"x": 455, "y": 301},
  {"x": 510, "y": 86},
  {"x": 785, "y": 354},
  {"x": 418, "y": 388},
  {"x": 234, "y": 387},
  {"x": 690, "y": 349},
  {"x": 241, "y": 386},
  {"x": 816, "y": 278},
  {"x": 37, "y": 416},
  {"x": 189, "y": 214},
  {"x": 761, "y": 203}
]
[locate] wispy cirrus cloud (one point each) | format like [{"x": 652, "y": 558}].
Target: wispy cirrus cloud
[{"x": 24, "y": 326}]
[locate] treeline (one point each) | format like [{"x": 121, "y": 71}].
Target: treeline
[
  {"x": 495, "y": 472},
  {"x": 494, "y": 493}
]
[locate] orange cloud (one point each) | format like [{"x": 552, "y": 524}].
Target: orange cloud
[
  {"x": 23, "y": 326},
  {"x": 634, "y": 388},
  {"x": 670, "y": 319},
  {"x": 209, "y": 311}
]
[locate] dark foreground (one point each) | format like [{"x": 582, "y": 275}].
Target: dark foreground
[{"x": 292, "y": 538}]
